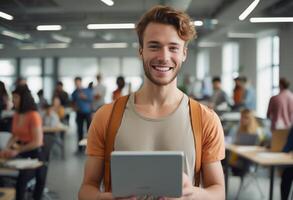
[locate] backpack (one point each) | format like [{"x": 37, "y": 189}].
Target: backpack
[{"x": 114, "y": 124}]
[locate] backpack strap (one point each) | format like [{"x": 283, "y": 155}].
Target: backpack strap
[
  {"x": 113, "y": 126},
  {"x": 196, "y": 123}
]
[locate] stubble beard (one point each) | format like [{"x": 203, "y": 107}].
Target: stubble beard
[{"x": 156, "y": 81}]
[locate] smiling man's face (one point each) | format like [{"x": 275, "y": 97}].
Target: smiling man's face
[{"x": 162, "y": 53}]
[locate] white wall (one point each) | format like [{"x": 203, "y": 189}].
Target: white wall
[
  {"x": 215, "y": 61},
  {"x": 286, "y": 55},
  {"x": 247, "y": 59}
]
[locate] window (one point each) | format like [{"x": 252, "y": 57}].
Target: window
[
  {"x": 267, "y": 71},
  {"x": 202, "y": 64},
  {"x": 230, "y": 65},
  {"x": 8, "y": 73},
  {"x": 31, "y": 69}
]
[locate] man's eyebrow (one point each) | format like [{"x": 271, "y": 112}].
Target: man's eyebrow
[{"x": 156, "y": 42}]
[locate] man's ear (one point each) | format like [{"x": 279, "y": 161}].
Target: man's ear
[
  {"x": 140, "y": 52},
  {"x": 184, "y": 54}
]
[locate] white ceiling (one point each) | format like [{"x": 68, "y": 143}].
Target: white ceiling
[{"x": 74, "y": 15}]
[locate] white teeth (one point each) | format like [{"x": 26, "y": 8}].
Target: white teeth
[{"x": 162, "y": 69}]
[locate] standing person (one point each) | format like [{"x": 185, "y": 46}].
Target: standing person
[
  {"x": 99, "y": 92},
  {"x": 249, "y": 95},
  {"x": 42, "y": 100},
  {"x": 82, "y": 99},
  {"x": 238, "y": 94},
  {"x": 4, "y": 99},
  {"x": 160, "y": 111},
  {"x": 287, "y": 175},
  {"x": 26, "y": 141},
  {"x": 280, "y": 110},
  {"x": 63, "y": 95},
  {"x": 120, "y": 86}
]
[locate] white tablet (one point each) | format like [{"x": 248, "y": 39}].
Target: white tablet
[{"x": 138, "y": 173}]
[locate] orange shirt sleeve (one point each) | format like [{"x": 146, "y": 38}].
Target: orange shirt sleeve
[
  {"x": 213, "y": 145},
  {"x": 97, "y": 132},
  {"x": 24, "y": 131}
]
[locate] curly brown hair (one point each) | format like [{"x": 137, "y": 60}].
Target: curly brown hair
[{"x": 167, "y": 15}]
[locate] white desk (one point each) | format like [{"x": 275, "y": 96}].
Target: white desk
[{"x": 264, "y": 157}]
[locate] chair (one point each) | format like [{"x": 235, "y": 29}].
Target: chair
[
  {"x": 279, "y": 138},
  {"x": 245, "y": 168},
  {"x": 49, "y": 140}
]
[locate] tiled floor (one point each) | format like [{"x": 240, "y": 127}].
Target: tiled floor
[{"x": 64, "y": 177}]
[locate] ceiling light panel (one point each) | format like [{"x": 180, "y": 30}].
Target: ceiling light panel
[
  {"x": 110, "y": 45},
  {"x": 111, "y": 26},
  {"x": 108, "y": 2},
  {"x": 270, "y": 19},
  {"x": 49, "y": 27},
  {"x": 248, "y": 10},
  {"x": 6, "y": 16}
]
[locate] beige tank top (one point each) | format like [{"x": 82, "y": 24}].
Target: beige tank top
[{"x": 171, "y": 133}]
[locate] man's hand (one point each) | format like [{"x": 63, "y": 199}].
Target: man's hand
[
  {"x": 109, "y": 196},
  {"x": 187, "y": 190}
]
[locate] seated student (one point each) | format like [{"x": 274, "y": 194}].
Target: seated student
[
  {"x": 50, "y": 117},
  {"x": 26, "y": 141},
  {"x": 287, "y": 176},
  {"x": 58, "y": 108},
  {"x": 248, "y": 125}
]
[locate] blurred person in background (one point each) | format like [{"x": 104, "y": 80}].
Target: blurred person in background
[
  {"x": 26, "y": 141},
  {"x": 4, "y": 98},
  {"x": 238, "y": 94},
  {"x": 63, "y": 95},
  {"x": 287, "y": 175},
  {"x": 120, "y": 81},
  {"x": 99, "y": 92},
  {"x": 82, "y": 99},
  {"x": 280, "y": 109},
  {"x": 58, "y": 108},
  {"x": 219, "y": 97},
  {"x": 249, "y": 95},
  {"x": 42, "y": 100}
]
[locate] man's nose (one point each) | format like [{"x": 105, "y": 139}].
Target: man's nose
[{"x": 164, "y": 54}]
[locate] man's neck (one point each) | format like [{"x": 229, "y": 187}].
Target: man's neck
[{"x": 157, "y": 96}]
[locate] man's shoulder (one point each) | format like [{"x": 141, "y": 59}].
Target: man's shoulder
[{"x": 205, "y": 110}]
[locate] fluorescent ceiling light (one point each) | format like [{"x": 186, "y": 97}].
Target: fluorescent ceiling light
[
  {"x": 16, "y": 35},
  {"x": 248, "y": 10},
  {"x": 44, "y": 46},
  {"x": 111, "y": 26},
  {"x": 6, "y": 16},
  {"x": 29, "y": 47},
  {"x": 49, "y": 28},
  {"x": 108, "y": 2},
  {"x": 208, "y": 44},
  {"x": 241, "y": 35},
  {"x": 270, "y": 19},
  {"x": 56, "y": 45},
  {"x": 1, "y": 46},
  {"x": 198, "y": 23},
  {"x": 61, "y": 38},
  {"x": 110, "y": 45}
]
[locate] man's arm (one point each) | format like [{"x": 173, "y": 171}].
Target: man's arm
[
  {"x": 93, "y": 174},
  {"x": 213, "y": 184}
]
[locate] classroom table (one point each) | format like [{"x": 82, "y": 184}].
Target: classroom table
[
  {"x": 7, "y": 193},
  {"x": 263, "y": 157}
]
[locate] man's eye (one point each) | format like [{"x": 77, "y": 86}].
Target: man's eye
[{"x": 174, "y": 49}]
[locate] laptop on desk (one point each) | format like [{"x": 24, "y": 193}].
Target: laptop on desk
[
  {"x": 247, "y": 139},
  {"x": 139, "y": 173}
]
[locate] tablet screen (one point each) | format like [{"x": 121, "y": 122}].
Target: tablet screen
[{"x": 155, "y": 173}]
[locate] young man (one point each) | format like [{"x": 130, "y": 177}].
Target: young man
[{"x": 160, "y": 111}]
